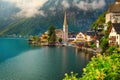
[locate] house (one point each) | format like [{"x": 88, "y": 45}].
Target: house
[
  {"x": 80, "y": 37},
  {"x": 113, "y": 12},
  {"x": 44, "y": 39},
  {"x": 114, "y": 34},
  {"x": 90, "y": 36}
]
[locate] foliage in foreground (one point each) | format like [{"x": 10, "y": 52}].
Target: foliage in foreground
[{"x": 100, "y": 68}]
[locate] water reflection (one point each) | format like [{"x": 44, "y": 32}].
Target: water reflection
[
  {"x": 65, "y": 59},
  {"x": 48, "y": 63}
]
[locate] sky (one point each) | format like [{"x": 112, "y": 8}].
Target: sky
[{"x": 30, "y": 8}]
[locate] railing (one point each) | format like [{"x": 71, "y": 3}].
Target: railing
[
  {"x": 113, "y": 44},
  {"x": 112, "y": 38}
]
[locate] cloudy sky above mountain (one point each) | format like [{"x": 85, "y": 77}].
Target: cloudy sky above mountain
[{"x": 30, "y": 8}]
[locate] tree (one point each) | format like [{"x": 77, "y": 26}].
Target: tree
[
  {"x": 51, "y": 30},
  {"x": 51, "y": 34},
  {"x": 60, "y": 40},
  {"x": 104, "y": 45},
  {"x": 53, "y": 38},
  {"x": 112, "y": 49},
  {"x": 35, "y": 39}
]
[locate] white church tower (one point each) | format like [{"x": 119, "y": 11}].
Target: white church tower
[{"x": 65, "y": 29}]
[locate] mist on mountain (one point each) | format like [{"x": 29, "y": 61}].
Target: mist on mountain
[{"x": 31, "y": 17}]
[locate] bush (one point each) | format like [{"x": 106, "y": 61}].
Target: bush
[
  {"x": 104, "y": 44},
  {"x": 60, "y": 40},
  {"x": 101, "y": 68},
  {"x": 71, "y": 77},
  {"x": 111, "y": 49}
]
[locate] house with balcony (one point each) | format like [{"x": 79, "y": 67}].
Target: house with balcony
[
  {"x": 80, "y": 37},
  {"x": 114, "y": 34}
]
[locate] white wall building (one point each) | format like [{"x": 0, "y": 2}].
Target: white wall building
[
  {"x": 113, "y": 13},
  {"x": 114, "y": 34},
  {"x": 80, "y": 37}
]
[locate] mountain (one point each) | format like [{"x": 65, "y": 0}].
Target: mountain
[{"x": 80, "y": 14}]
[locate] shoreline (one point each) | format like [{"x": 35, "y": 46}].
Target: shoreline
[{"x": 77, "y": 47}]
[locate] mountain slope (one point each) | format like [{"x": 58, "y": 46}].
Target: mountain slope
[{"x": 78, "y": 20}]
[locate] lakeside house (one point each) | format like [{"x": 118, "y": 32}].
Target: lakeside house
[
  {"x": 90, "y": 36},
  {"x": 113, "y": 12},
  {"x": 80, "y": 37},
  {"x": 44, "y": 39},
  {"x": 114, "y": 34}
]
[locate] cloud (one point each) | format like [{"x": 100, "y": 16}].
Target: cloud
[
  {"x": 65, "y": 4},
  {"x": 86, "y": 5},
  {"x": 28, "y": 8}
]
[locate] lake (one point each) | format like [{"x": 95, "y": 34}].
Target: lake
[{"x": 21, "y": 61}]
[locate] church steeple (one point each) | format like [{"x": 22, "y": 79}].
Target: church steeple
[
  {"x": 65, "y": 28},
  {"x": 65, "y": 20}
]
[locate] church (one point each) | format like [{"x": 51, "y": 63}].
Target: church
[
  {"x": 63, "y": 34},
  {"x": 113, "y": 12}
]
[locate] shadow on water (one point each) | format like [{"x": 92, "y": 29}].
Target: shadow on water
[{"x": 12, "y": 47}]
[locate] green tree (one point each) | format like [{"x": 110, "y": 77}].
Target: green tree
[
  {"x": 99, "y": 21},
  {"x": 36, "y": 39},
  {"x": 53, "y": 38},
  {"x": 111, "y": 49},
  {"x": 51, "y": 34},
  {"x": 51, "y": 30},
  {"x": 31, "y": 38},
  {"x": 104, "y": 45},
  {"x": 60, "y": 40}
]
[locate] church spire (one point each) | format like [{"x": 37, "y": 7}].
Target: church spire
[
  {"x": 65, "y": 20},
  {"x": 65, "y": 28}
]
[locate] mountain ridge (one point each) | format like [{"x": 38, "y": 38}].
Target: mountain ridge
[{"x": 78, "y": 20}]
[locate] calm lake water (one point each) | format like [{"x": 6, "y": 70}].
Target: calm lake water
[{"x": 20, "y": 61}]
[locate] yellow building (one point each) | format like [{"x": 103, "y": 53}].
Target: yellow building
[{"x": 44, "y": 39}]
